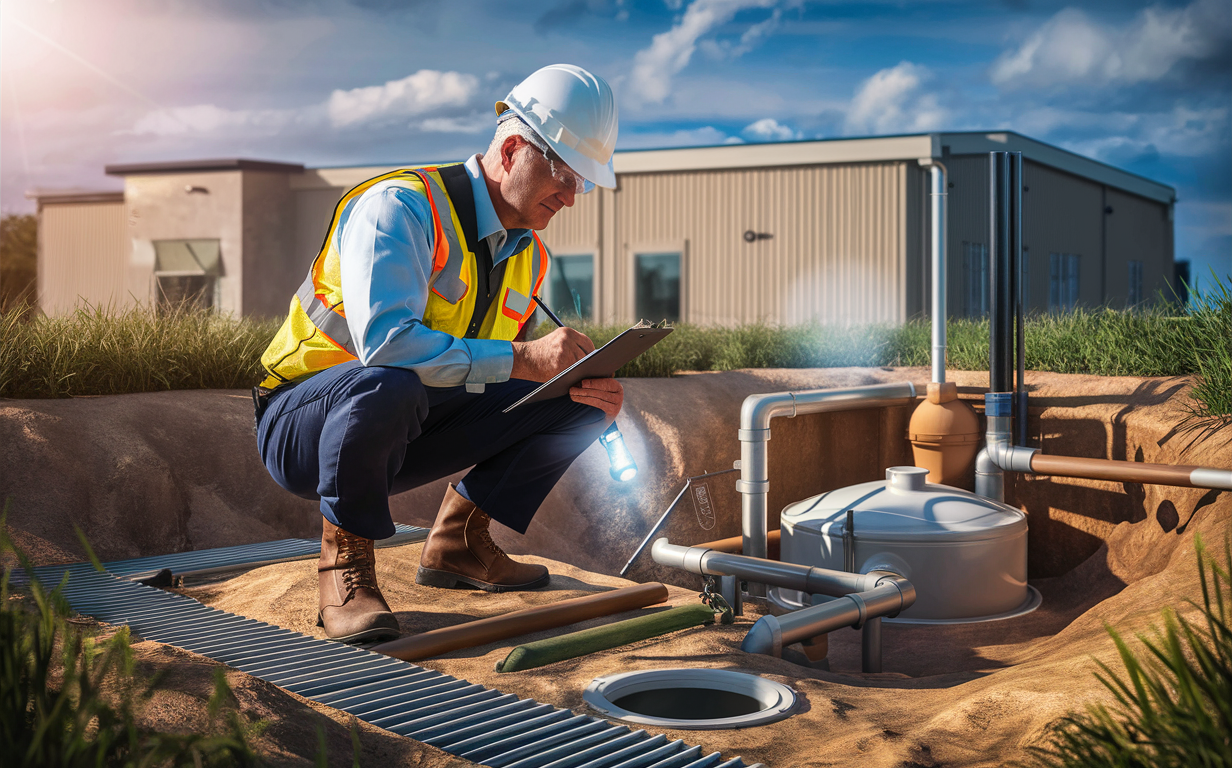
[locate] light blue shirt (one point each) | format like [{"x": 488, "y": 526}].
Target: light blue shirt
[{"x": 385, "y": 240}]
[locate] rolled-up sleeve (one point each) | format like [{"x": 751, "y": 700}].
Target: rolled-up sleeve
[{"x": 385, "y": 244}]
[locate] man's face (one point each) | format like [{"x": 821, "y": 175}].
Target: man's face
[{"x": 531, "y": 188}]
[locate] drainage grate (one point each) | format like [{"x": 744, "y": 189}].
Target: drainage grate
[{"x": 465, "y": 719}]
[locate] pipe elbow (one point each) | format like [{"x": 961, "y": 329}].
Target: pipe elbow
[
  {"x": 765, "y": 637},
  {"x": 906, "y": 591},
  {"x": 1006, "y": 456},
  {"x": 758, "y": 410}
]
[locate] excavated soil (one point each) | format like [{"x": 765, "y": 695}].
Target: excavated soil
[{"x": 1102, "y": 554}]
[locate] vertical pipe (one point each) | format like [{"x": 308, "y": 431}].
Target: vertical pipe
[
  {"x": 1020, "y": 300},
  {"x": 939, "y": 197},
  {"x": 753, "y": 504},
  {"x": 870, "y": 646},
  {"x": 999, "y": 287}
]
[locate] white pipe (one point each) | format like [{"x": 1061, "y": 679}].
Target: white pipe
[
  {"x": 755, "y": 416},
  {"x": 939, "y": 196}
]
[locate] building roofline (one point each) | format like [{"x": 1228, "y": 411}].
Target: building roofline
[
  {"x": 867, "y": 149},
  {"x": 53, "y": 196},
  {"x": 190, "y": 166}
]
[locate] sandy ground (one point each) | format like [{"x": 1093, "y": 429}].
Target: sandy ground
[{"x": 968, "y": 695}]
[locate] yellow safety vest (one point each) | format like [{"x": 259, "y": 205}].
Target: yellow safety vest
[{"x": 315, "y": 335}]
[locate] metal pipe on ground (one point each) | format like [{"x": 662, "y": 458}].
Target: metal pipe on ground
[
  {"x": 807, "y": 579},
  {"x": 755, "y": 416},
  {"x": 771, "y": 633},
  {"x": 588, "y": 641},
  {"x": 440, "y": 641}
]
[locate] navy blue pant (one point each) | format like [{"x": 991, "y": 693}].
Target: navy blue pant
[{"x": 352, "y": 435}]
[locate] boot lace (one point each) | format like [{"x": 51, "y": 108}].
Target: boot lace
[
  {"x": 485, "y": 538},
  {"x": 359, "y": 570}
]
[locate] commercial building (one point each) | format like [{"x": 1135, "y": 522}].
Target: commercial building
[{"x": 828, "y": 231}]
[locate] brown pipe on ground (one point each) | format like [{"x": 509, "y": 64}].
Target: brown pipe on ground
[
  {"x": 439, "y": 641},
  {"x": 735, "y": 544},
  {"x": 1122, "y": 471}
]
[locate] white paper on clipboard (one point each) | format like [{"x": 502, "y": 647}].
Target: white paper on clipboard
[{"x": 600, "y": 364}]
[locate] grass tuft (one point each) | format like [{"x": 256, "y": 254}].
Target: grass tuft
[
  {"x": 98, "y": 352},
  {"x": 1173, "y": 703}
]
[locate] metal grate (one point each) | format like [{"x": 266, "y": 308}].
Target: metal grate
[{"x": 476, "y": 723}]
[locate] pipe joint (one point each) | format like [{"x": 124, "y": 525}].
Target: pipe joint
[
  {"x": 861, "y": 608},
  {"x": 1007, "y": 456},
  {"x": 753, "y": 435},
  {"x": 753, "y": 486}
]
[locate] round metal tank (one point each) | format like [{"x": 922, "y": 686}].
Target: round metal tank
[{"x": 965, "y": 554}]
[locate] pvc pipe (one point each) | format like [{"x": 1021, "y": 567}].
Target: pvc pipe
[
  {"x": 1000, "y": 454},
  {"x": 473, "y": 633},
  {"x": 755, "y": 416},
  {"x": 770, "y": 633},
  {"x": 1000, "y": 272},
  {"x": 810, "y": 580},
  {"x": 939, "y": 196},
  {"x": 870, "y": 646}
]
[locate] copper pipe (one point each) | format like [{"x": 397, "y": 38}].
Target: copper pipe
[
  {"x": 1123, "y": 471},
  {"x": 735, "y": 544},
  {"x": 440, "y": 641}
]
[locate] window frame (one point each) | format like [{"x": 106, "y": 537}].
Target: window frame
[
  {"x": 651, "y": 248},
  {"x": 594, "y": 278}
]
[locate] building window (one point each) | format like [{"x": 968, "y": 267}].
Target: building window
[
  {"x": 975, "y": 267},
  {"x": 1135, "y": 284},
  {"x": 572, "y": 287},
  {"x": 1062, "y": 282},
  {"x": 657, "y": 286},
  {"x": 186, "y": 272}
]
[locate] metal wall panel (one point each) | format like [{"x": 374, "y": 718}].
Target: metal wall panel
[
  {"x": 1062, "y": 214},
  {"x": 83, "y": 256},
  {"x": 837, "y": 251},
  {"x": 967, "y": 222},
  {"x": 1138, "y": 230}
]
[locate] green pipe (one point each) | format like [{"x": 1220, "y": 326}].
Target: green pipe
[{"x": 618, "y": 633}]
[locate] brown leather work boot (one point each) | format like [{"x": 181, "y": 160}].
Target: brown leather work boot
[
  {"x": 352, "y": 609},
  {"x": 460, "y": 549}
]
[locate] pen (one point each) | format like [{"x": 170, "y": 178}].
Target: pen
[{"x": 549, "y": 312}]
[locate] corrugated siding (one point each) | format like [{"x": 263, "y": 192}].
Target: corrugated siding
[
  {"x": 1138, "y": 230},
  {"x": 838, "y": 251},
  {"x": 576, "y": 229},
  {"x": 1062, "y": 214},
  {"x": 83, "y": 256},
  {"x": 967, "y": 222}
]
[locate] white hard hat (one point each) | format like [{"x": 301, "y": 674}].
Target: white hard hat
[{"x": 575, "y": 113}]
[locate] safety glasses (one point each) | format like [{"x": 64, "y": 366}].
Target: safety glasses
[{"x": 566, "y": 176}]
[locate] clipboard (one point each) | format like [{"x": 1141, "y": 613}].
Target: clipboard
[{"x": 600, "y": 364}]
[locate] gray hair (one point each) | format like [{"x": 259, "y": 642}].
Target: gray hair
[{"x": 509, "y": 124}]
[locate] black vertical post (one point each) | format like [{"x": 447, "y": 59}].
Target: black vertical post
[
  {"x": 1020, "y": 300},
  {"x": 1000, "y": 273}
]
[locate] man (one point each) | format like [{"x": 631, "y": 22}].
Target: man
[{"x": 408, "y": 339}]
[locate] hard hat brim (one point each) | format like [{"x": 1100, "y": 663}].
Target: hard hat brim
[{"x": 599, "y": 174}]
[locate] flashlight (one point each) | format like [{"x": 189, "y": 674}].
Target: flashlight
[{"x": 623, "y": 468}]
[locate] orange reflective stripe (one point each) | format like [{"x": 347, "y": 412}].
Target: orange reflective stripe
[
  {"x": 541, "y": 260},
  {"x": 440, "y": 250}
]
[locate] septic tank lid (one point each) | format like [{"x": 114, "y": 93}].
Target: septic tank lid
[{"x": 904, "y": 507}]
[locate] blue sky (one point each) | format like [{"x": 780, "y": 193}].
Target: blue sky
[{"x": 1145, "y": 87}]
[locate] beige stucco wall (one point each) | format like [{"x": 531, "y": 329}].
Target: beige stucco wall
[
  {"x": 82, "y": 257},
  {"x": 160, "y": 208}
]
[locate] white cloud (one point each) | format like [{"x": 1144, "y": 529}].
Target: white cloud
[
  {"x": 892, "y": 101},
  {"x": 686, "y": 137},
  {"x": 476, "y": 123},
  {"x": 670, "y": 51},
  {"x": 428, "y": 90},
  {"x": 769, "y": 129},
  {"x": 212, "y": 119},
  {"x": 1072, "y": 48}
]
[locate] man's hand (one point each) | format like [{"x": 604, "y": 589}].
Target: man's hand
[
  {"x": 605, "y": 394},
  {"x": 541, "y": 359}
]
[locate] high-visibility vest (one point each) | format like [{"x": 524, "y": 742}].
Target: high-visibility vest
[{"x": 315, "y": 335}]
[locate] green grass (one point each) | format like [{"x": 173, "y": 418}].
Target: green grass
[
  {"x": 96, "y": 352},
  {"x": 1173, "y": 703}
]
